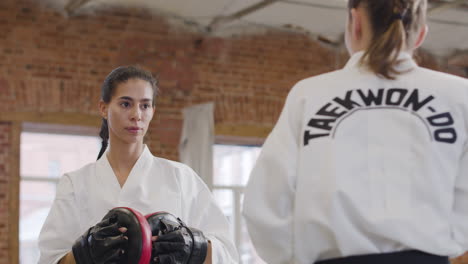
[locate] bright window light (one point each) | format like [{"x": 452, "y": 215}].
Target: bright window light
[
  {"x": 232, "y": 167},
  {"x": 44, "y": 158}
]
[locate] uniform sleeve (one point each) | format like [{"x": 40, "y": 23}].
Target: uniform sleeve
[
  {"x": 460, "y": 209},
  {"x": 269, "y": 195},
  {"x": 61, "y": 227},
  {"x": 460, "y": 206},
  {"x": 202, "y": 212}
]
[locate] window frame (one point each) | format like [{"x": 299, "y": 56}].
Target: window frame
[
  {"x": 237, "y": 190},
  {"x": 16, "y": 121},
  {"x": 58, "y": 129}
]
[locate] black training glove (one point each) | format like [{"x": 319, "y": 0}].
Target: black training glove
[
  {"x": 176, "y": 243},
  {"x": 101, "y": 244}
]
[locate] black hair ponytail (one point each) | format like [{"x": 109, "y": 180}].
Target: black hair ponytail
[{"x": 104, "y": 134}]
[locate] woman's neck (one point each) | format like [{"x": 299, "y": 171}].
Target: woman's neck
[{"x": 122, "y": 158}]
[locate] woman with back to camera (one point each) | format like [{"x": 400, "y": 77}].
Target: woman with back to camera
[
  {"x": 367, "y": 164},
  {"x": 126, "y": 174}
]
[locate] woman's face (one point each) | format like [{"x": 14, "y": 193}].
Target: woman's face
[{"x": 130, "y": 111}]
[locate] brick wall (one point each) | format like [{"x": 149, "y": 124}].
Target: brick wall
[
  {"x": 49, "y": 63},
  {"x": 53, "y": 64},
  {"x": 461, "y": 260}
]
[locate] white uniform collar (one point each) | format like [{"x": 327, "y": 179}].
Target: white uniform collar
[
  {"x": 145, "y": 152},
  {"x": 407, "y": 62},
  {"x": 105, "y": 169}
]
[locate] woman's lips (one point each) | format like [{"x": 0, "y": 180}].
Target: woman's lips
[{"x": 133, "y": 130}]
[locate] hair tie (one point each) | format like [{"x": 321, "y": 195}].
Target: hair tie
[
  {"x": 400, "y": 14},
  {"x": 396, "y": 16}
]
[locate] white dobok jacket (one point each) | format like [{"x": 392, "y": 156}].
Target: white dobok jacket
[
  {"x": 154, "y": 184},
  {"x": 358, "y": 164}
]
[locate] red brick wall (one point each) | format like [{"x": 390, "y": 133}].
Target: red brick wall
[
  {"x": 247, "y": 79},
  {"x": 461, "y": 260},
  {"x": 53, "y": 64},
  {"x": 49, "y": 63}
]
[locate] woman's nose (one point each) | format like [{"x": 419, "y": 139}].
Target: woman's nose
[{"x": 136, "y": 114}]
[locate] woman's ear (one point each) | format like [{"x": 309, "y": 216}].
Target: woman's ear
[
  {"x": 103, "y": 108},
  {"x": 421, "y": 37},
  {"x": 355, "y": 35},
  {"x": 356, "y": 24}
]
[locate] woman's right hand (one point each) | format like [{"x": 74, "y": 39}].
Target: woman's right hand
[{"x": 103, "y": 243}]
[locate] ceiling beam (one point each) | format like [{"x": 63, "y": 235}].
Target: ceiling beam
[
  {"x": 74, "y": 5},
  {"x": 323, "y": 6},
  {"x": 217, "y": 21},
  {"x": 445, "y": 5}
]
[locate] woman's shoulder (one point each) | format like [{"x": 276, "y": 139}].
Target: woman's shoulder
[
  {"x": 452, "y": 86},
  {"x": 173, "y": 165},
  {"x": 323, "y": 77},
  {"x": 442, "y": 77},
  {"x": 81, "y": 172},
  {"x": 184, "y": 173},
  {"x": 71, "y": 181},
  {"x": 322, "y": 82}
]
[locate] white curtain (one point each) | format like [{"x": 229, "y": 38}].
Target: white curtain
[{"x": 196, "y": 143}]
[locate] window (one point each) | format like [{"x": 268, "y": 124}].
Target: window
[
  {"x": 44, "y": 157},
  {"x": 232, "y": 167}
]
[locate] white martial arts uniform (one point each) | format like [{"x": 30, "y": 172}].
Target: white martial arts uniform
[
  {"x": 154, "y": 184},
  {"x": 359, "y": 165}
]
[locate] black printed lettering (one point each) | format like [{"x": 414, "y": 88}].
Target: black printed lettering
[
  {"x": 321, "y": 123},
  {"x": 347, "y": 102},
  {"x": 324, "y": 111},
  {"x": 443, "y": 119},
  {"x": 395, "y": 96},
  {"x": 441, "y": 124},
  {"x": 413, "y": 100},
  {"x": 447, "y": 135},
  {"x": 371, "y": 98},
  {"x": 308, "y": 136}
]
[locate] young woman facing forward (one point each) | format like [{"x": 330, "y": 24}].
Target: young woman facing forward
[{"x": 126, "y": 174}]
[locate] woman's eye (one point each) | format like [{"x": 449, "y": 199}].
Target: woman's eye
[
  {"x": 125, "y": 104},
  {"x": 146, "y": 106}
]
